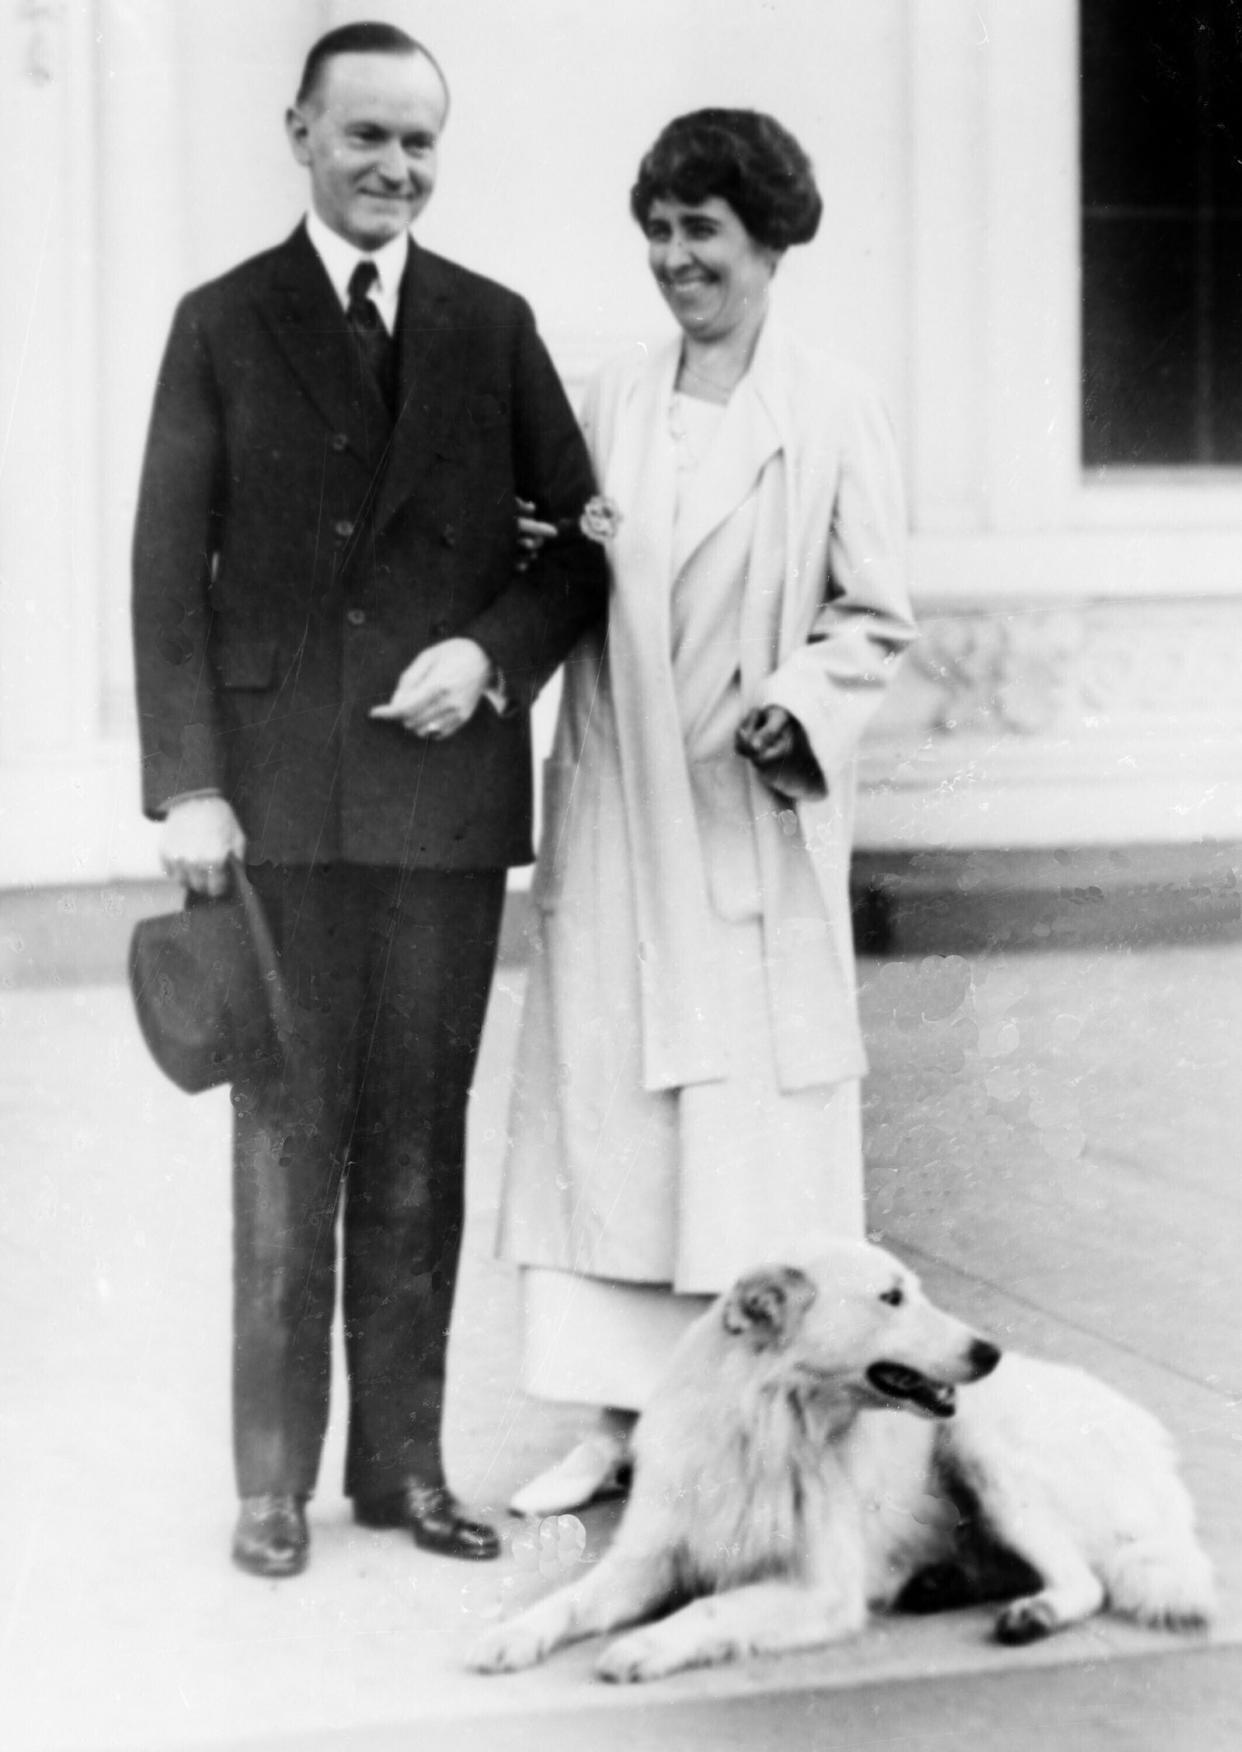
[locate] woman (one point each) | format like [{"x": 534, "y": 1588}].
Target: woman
[{"x": 686, "y": 1099}]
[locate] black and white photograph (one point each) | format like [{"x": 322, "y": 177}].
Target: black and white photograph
[{"x": 620, "y": 875}]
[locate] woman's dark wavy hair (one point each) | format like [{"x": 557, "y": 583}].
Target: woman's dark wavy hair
[{"x": 740, "y": 156}]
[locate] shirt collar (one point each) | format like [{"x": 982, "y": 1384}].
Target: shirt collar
[{"x": 340, "y": 258}]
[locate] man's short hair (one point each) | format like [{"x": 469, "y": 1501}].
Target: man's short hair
[{"x": 363, "y": 38}]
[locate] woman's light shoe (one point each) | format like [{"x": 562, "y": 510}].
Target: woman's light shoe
[{"x": 599, "y": 1466}]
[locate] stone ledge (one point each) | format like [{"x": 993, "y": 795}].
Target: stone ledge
[
  {"x": 939, "y": 902},
  {"x": 949, "y": 901},
  {"x": 62, "y": 936}
]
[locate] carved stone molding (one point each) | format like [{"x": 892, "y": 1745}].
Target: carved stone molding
[
  {"x": 1012, "y": 673},
  {"x": 978, "y": 672},
  {"x": 1072, "y": 723}
]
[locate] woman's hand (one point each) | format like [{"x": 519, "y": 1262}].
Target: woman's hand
[
  {"x": 775, "y": 742},
  {"x": 531, "y": 534}
]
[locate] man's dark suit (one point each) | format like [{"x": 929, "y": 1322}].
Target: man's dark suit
[{"x": 294, "y": 552}]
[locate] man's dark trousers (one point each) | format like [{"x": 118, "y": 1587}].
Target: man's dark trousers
[{"x": 389, "y": 974}]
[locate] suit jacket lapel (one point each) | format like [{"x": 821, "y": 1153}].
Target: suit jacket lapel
[
  {"x": 308, "y": 324},
  {"x": 431, "y": 384}
]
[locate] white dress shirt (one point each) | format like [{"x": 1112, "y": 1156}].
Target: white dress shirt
[{"x": 340, "y": 258}]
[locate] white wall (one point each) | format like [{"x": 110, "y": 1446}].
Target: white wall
[
  {"x": 156, "y": 127},
  {"x": 1074, "y": 683}
]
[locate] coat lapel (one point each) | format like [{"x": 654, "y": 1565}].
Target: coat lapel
[
  {"x": 641, "y": 470},
  {"x": 678, "y": 974},
  {"x": 431, "y": 384},
  {"x": 748, "y": 438},
  {"x": 302, "y": 312}
]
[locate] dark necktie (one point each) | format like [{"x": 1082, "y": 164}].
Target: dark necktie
[{"x": 367, "y": 325}]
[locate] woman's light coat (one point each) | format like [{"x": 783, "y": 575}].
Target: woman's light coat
[{"x": 801, "y": 495}]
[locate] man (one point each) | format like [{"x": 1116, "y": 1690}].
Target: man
[{"x": 335, "y": 657}]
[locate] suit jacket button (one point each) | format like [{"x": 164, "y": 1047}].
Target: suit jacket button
[
  {"x": 340, "y": 441},
  {"x": 343, "y": 528},
  {"x": 357, "y": 617},
  {"x": 449, "y": 535}
]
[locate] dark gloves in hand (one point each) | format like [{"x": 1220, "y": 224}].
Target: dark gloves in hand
[{"x": 777, "y": 745}]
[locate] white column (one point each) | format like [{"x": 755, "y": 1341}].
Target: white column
[
  {"x": 194, "y": 174},
  {"x": 49, "y": 626},
  {"x": 149, "y": 140},
  {"x": 45, "y": 417},
  {"x": 145, "y": 229},
  {"x": 947, "y": 53}
]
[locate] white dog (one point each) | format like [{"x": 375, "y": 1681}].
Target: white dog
[{"x": 772, "y": 1505}]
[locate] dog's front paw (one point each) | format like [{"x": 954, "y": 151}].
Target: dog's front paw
[
  {"x": 1026, "y": 1621},
  {"x": 638, "y": 1657},
  {"x": 508, "y": 1648}
]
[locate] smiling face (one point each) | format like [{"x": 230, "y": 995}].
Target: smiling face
[
  {"x": 368, "y": 134},
  {"x": 713, "y": 276}
]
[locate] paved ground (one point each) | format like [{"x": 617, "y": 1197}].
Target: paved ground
[{"x": 1053, "y": 1138}]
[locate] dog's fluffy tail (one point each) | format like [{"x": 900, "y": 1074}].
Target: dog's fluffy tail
[{"x": 1163, "y": 1582}]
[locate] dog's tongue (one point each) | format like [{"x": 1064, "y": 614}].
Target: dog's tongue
[{"x": 934, "y": 1397}]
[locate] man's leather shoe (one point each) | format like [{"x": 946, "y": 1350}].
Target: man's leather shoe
[
  {"x": 271, "y": 1537},
  {"x": 433, "y": 1515}
]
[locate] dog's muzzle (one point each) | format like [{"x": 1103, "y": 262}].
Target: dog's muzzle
[{"x": 908, "y": 1387}]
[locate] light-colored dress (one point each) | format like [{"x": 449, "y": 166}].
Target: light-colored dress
[{"x": 686, "y": 1100}]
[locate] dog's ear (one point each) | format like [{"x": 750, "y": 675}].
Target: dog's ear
[{"x": 767, "y": 1306}]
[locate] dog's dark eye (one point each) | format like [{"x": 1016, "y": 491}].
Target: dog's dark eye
[{"x": 894, "y": 1297}]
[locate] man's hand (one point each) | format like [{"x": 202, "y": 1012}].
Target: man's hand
[
  {"x": 200, "y": 834},
  {"x": 532, "y": 532},
  {"x": 440, "y": 690},
  {"x": 776, "y": 743}
]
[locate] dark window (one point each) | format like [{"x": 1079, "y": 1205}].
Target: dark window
[{"x": 1162, "y": 231}]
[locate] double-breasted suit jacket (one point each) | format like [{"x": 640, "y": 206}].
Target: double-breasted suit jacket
[
  {"x": 295, "y": 550},
  {"x": 298, "y": 544}
]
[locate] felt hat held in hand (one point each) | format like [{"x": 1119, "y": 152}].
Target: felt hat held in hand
[{"x": 207, "y": 989}]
